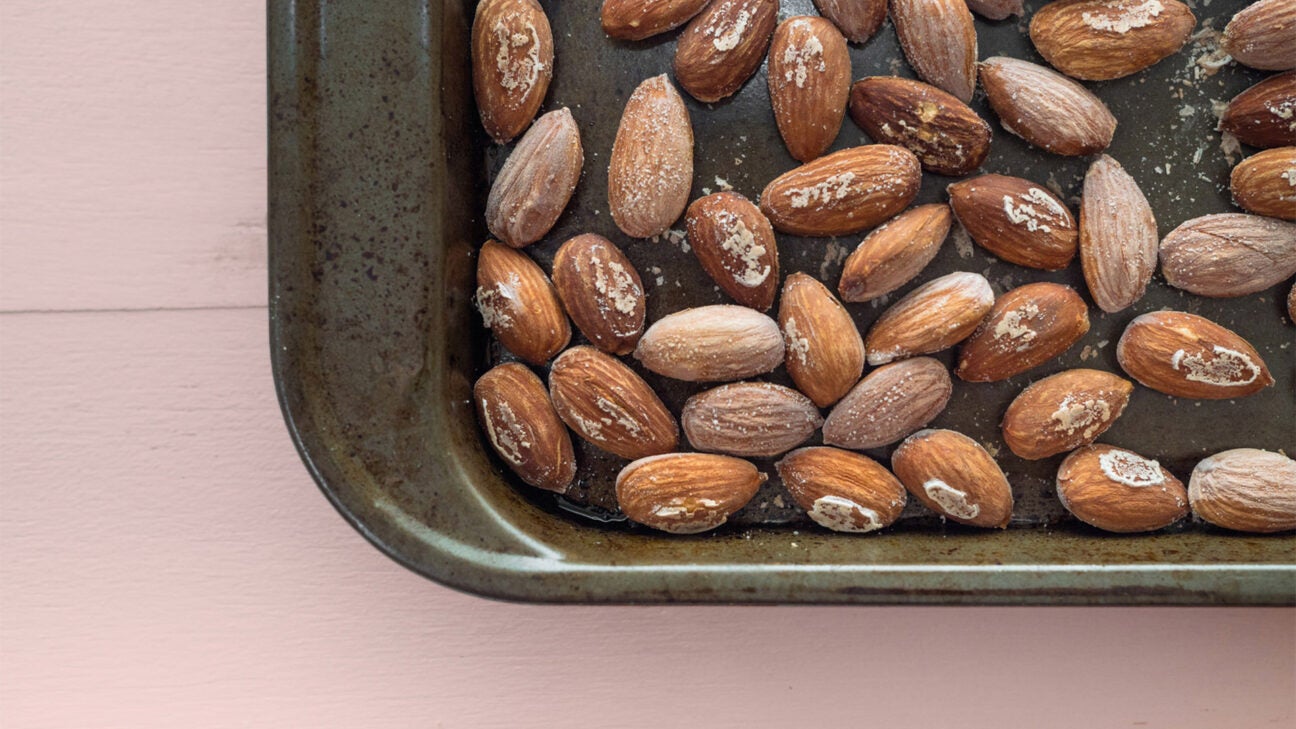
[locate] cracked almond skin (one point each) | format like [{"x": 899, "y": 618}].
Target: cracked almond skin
[
  {"x": 954, "y": 476},
  {"x": 1265, "y": 183},
  {"x": 1099, "y": 40},
  {"x": 1263, "y": 35},
  {"x": 601, "y": 291},
  {"x": 809, "y": 79},
  {"x": 1246, "y": 490},
  {"x": 858, "y": 20},
  {"x": 512, "y": 64},
  {"x": 939, "y": 41},
  {"x": 842, "y": 491},
  {"x": 893, "y": 254},
  {"x": 1229, "y": 254},
  {"x": 1265, "y": 114},
  {"x": 1045, "y": 108},
  {"x": 640, "y": 19},
  {"x": 889, "y": 404},
  {"x": 537, "y": 180},
  {"x": 520, "y": 423},
  {"x": 932, "y": 317},
  {"x": 945, "y": 134},
  {"x": 996, "y": 9},
  {"x": 735, "y": 244},
  {"x": 1027, "y": 327},
  {"x": 723, "y": 46},
  {"x": 1118, "y": 236},
  {"x": 1017, "y": 220},
  {"x": 519, "y": 304},
  {"x": 844, "y": 192},
  {"x": 1064, "y": 411},
  {"x": 717, "y": 343},
  {"x": 607, "y": 404},
  {"x": 825, "y": 352},
  {"x": 686, "y": 493},
  {"x": 750, "y": 419},
  {"x": 1117, "y": 490},
  {"x": 1185, "y": 355},
  {"x": 650, "y": 172}
]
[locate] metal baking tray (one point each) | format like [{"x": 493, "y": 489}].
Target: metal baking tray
[{"x": 378, "y": 175}]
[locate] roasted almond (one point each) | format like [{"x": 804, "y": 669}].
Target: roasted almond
[
  {"x": 537, "y": 180},
  {"x": 512, "y": 64},
  {"x": 639, "y": 19},
  {"x": 1027, "y": 327},
  {"x": 1046, "y": 108},
  {"x": 996, "y": 9},
  {"x": 1120, "y": 491},
  {"x": 844, "y": 192},
  {"x": 1229, "y": 254},
  {"x": 825, "y": 353},
  {"x": 1118, "y": 236},
  {"x": 519, "y": 305},
  {"x": 1246, "y": 490},
  {"x": 946, "y": 135},
  {"x": 609, "y": 405},
  {"x": 723, "y": 46},
  {"x": 809, "y": 81},
  {"x": 952, "y": 475},
  {"x": 1017, "y": 220},
  {"x": 939, "y": 41},
  {"x": 1263, "y": 35},
  {"x": 686, "y": 493},
  {"x": 1098, "y": 40},
  {"x": 735, "y": 244},
  {"x": 1291, "y": 304},
  {"x": 1064, "y": 411},
  {"x": 754, "y": 419},
  {"x": 1265, "y": 114},
  {"x": 651, "y": 169},
  {"x": 602, "y": 292},
  {"x": 858, "y": 20},
  {"x": 932, "y": 317},
  {"x": 523, "y": 428},
  {"x": 1186, "y": 355},
  {"x": 889, "y": 404},
  {"x": 890, "y": 256},
  {"x": 718, "y": 343},
  {"x": 1265, "y": 183},
  {"x": 842, "y": 491}
]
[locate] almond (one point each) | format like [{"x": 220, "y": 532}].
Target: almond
[
  {"x": 639, "y": 19},
  {"x": 651, "y": 169},
  {"x": 1291, "y": 304},
  {"x": 932, "y": 317},
  {"x": 717, "y": 343},
  {"x": 537, "y": 180},
  {"x": 996, "y": 9},
  {"x": 723, "y": 46},
  {"x": 1185, "y": 355},
  {"x": 735, "y": 244},
  {"x": 519, "y": 305},
  {"x": 946, "y": 135},
  {"x": 842, "y": 491},
  {"x": 686, "y": 493},
  {"x": 609, "y": 405},
  {"x": 1120, "y": 491},
  {"x": 1046, "y": 108},
  {"x": 1265, "y": 114},
  {"x": 844, "y": 192},
  {"x": 1265, "y": 183},
  {"x": 809, "y": 82},
  {"x": 754, "y": 419},
  {"x": 889, "y": 404},
  {"x": 1064, "y": 411},
  {"x": 1246, "y": 490},
  {"x": 1263, "y": 35},
  {"x": 825, "y": 353},
  {"x": 894, "y": 253},
  {"x": 939, "y": 41},
  {"x": 1027, "y": 327},
  {"x": 602, "y": 292},
  {"x": 1017, "y": 220},
  {"x": 952, "y": 475},
  {"x": 512, "y": 64},
  {"x": 1118, "y": 236},
  {"x": 523, "y": 428},
  {"x": 1229, "y": 254},
  {"x": 858, "y": 20},
  {"x": 1098, "y": 40}
]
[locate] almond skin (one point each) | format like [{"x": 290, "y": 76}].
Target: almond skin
[
  {"x": 894, "y": 253},
  {"x": 1229, "y": 254},
  {"x": 512, "y": 63},
  {"x": 602, "y": 292},
  {"x": 1120, "y": 491},
  {"x": 723, "y": 46},
  {"x": 996, "y": 9},
  {"x": 537, "y": 180},
  {"x": 753, "y": 419},
  {"x": 1185, "y": 355},
  {"x": 842, "y": 491},
  {"x": 945, "y": 134},
  {"x": 639, "y": 19},
  {"x": 932, "y": 317},
  {"x": 1265, "y": 182},
  {"x": 1246, "y": 490},
  {"x": 809, "y": 81},
  {"x": 889, "y": 404},
  {"x": 1291, "y": 304},
  {"x": 1017, "y": 220},
  {"x": 718, "y": 343},
  {"x": 521, "y": 425},
  {"x": 1046, "y": 108},
  {"x": 1098, "y": 40},
  {"x": 519, "y": 305},
  {"x": 1263, "y": 35},
  {"x": 686, "y": 493},
  {"x": 650, "y": 172},
  {"x": 952, "y": 475},
  {"x": 1064, "y": 411},
  {"x": 735, "y": 244},
  {"x": 858, "y": 20},
  {"x": 825, "y": 353},
  {"x": 844, "y": 192},
  {"x": 1265, "y": 114},
  {"x": 940, "y": 43},
  {"x": 1027, "y": 327},
  {"x": 609, "y": 405},
  {"x": 1118, "y": 236}
]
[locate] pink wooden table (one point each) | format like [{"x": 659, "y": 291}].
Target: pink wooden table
[{"x": 165, "y": 560}]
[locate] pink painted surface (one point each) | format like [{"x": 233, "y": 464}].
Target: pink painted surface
[{"x": 165, "y": 560}]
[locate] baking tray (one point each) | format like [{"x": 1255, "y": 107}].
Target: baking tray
[{"x": 378, "y": 175}]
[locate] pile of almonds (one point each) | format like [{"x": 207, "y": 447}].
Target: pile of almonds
[{"x": 917, "y": 126}]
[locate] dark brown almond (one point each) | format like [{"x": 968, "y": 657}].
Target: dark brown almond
[
  {"x": 602, "y": 292},
  {"x": 1017, "y": 220},
  {"x": 639, "y": 19},
  {"x": 512, "y": 64},
  {"x": 1064, "y": 411},
  {"x": 537, "y": 180},
  {"x": 858, "y": 20},
  {"x": 1027, "y": 327},
  {"x": 842, "y": 491},
  {"x": 735, "y": 244},
  {"x": 1265, "y": 114},
  {"x": 1098, "y": 40},
  {"x": 954, "y": 476},
  {"x": 1046, "y": 108},
  {"x": 1118, "y": 236},
  {"x": 946, "y": 135},
  {"x": 723, "y": 46},
  {"x": 1265, "y": 183},
  {"x": 520, "y": 423},
  {"x": 894, "y": 253},
  {"x": 939, "y": 41},
  {"x": 809, "y": 82},
  {"x": 519, "y": 305},
  {"x": 932, "y": 317},
  {"x": 609, "y": 405},
  {"x": 1229, "y": 254},
  {"x": 844, "y": 192},
  {"x": 1263, "y": 35},
  {"x": 825, "y": 353},
  {"x": 1185, "y": 355},
  {"x": 889, "y": 404},
  {"x": 650, "y": 172},
  {"x": 1119, "y": 490},
  {"x": 752, "y": 419}
]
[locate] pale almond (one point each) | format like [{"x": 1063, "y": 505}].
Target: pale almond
[
  {"x": 939, "y": 41},
  {"x": 1186, "y": 355},
  {"x": 520, "y": 423},
  {"x": 717, "y": 343},
  {"x": 1064, "y": 411},
  {"x": 825, "y": 353},
  {"x": 537, "y": 180},
  {"x": 1229, "y": 254},
  {"x": 753, "y": 419},
  {"x": 894, "y": 253},
  {"x": 519, "y": 304},
  {"x": 1246, "y": 490},
  {"x": 1118, "y": 236},
  {"x": 932, "y": 317},
  {"x": 609, "y": 405},
  {"x": 650, "y": 172},
  {"x": 842, "y": 491},
  {"x": 602, "y": 292},
  {"x": 889, "y": 404},
  {"x": 844, "y": 192},
  {"x": 1046, "y": 108}
]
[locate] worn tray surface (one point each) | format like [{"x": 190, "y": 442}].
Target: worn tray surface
[{"x": 379, "y": 171}]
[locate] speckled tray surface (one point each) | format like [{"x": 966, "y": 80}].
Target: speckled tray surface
[{"x": 378, "y": 176}]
